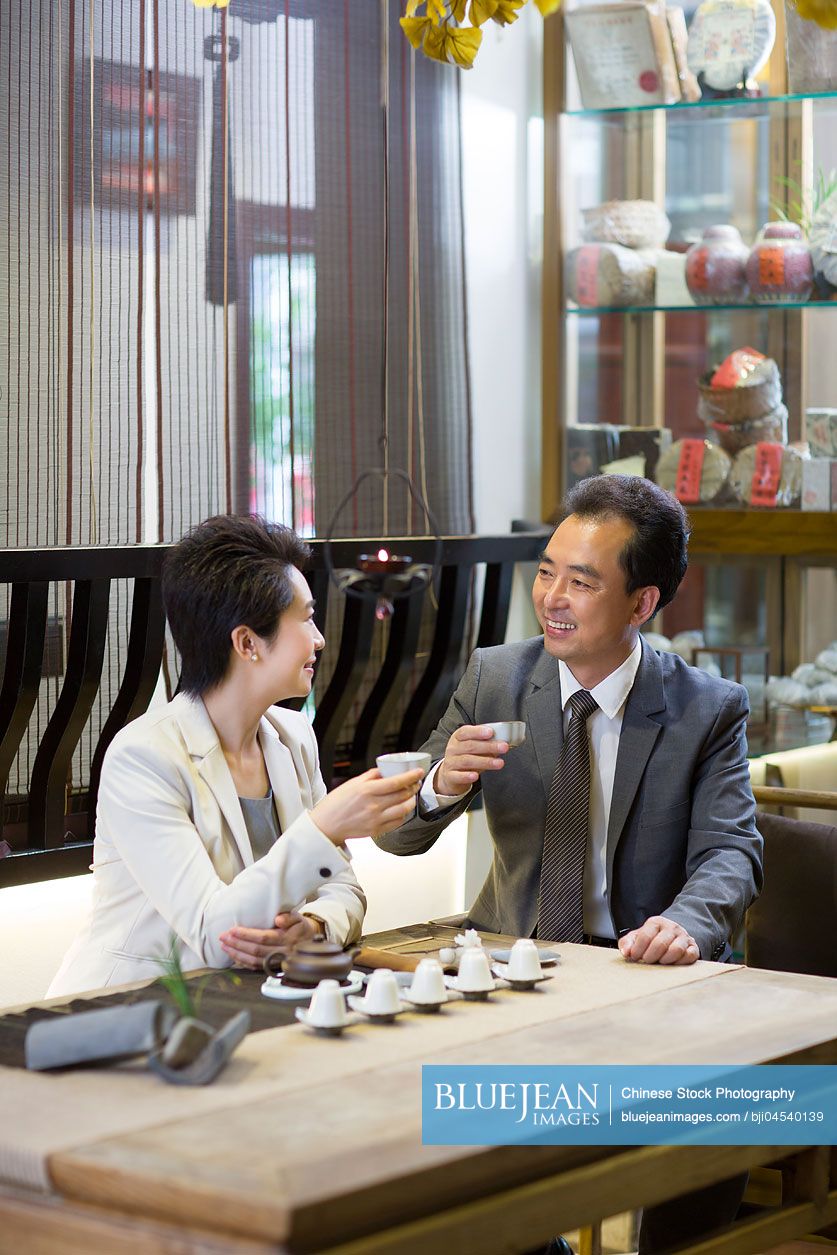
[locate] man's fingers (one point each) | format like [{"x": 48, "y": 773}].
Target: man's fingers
[
  {"x": 473, "y": 732},
  {"x": 658, "y": 946},
  {"x": 479, "y": 750},
  {"x": 641, "y": 940},
  {"x": 472, "y": 763},
  {"x": 659, "y": 940}
]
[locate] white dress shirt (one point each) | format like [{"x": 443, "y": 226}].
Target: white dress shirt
[{"x": 604, "y": 726}]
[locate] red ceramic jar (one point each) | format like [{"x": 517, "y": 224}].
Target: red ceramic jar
[
  {"x": 779, "y": 267},
  {"x": 715, "y": 267}
]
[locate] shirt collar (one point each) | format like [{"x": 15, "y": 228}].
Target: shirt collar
[{"x": 611, "y": 693}]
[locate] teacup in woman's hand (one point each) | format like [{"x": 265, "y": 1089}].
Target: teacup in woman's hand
[{"x": 407, "y": 760}]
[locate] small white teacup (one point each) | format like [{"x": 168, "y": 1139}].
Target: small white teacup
[
  {"x": 428, "y": 982},
  {"x": 474, "y": 971},
  {"x": 327, "y": 1010},
  {"x": 407, "y": 760},
  {"x": 512, "y": 731},
  {"x": 382, "y": 996},
  {"x": 524, "y": 961}
]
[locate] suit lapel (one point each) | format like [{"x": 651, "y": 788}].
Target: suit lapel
[
  {"x": 204, "y": 747},
  {"x": 287, "y": 797},
  {"x": 543, "y": 717},
  {"x": 636, "y": 741}
]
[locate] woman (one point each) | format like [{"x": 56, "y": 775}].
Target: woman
[{"x": 213, "y": 822}]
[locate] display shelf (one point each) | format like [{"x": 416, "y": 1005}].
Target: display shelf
[
  {"x": 776, "y": 533},
  {"x": 747, "y": 106},
  {"x": 750, "y": 307}
]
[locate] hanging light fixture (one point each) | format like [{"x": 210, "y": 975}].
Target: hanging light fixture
[{"x": 383, "y": 576}]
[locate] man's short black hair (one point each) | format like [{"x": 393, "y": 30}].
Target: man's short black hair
[
  {"x": 656, "y": 554},
  {"x": 228, "y": 571}
]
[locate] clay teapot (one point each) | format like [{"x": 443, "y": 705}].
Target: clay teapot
[{"x": 309, "y": 962}]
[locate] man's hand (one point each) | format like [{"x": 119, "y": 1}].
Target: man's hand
[
  {"x": 249, "y": 947},
  {"x": 469, "y": 752},
  {"x": 659, "y": 940}
]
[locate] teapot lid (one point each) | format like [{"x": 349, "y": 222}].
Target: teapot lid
[{"x": 317, "y": 947}]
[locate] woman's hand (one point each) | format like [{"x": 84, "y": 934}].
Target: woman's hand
[
  {"x": 367, "y": 805},
  {"x": 249, "y": 947}
]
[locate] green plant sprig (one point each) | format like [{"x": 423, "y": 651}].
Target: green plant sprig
[
  {"x": 187, "y": 995},
  {"x": 795, "y": 208}
]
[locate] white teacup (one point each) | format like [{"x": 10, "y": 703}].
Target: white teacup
[
  {"x": 428, "y": 982},
  {"x": 382, "y": 996},
  {"x": 524, "y": 961},
  {"x": 407, "y": 760},
  {"x": 327, "y": 1010},
  {"x": 512, "y": 731},
  {"x": 474, "y": 971}
]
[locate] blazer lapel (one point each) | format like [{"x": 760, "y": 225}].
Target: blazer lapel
[
  {"x": 636, "y": 741},
  {"x": 287, "y": 796},
  {"x": 204, "y": 747},
  {"x": 543, "y": 716}
]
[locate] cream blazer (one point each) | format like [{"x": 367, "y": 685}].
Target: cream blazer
[{"x": 171, "y": 853}]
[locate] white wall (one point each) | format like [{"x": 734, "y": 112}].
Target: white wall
[{"x": 503, "y": 184}]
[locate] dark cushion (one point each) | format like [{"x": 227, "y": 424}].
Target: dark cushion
[{"x": 792, "y": 927}]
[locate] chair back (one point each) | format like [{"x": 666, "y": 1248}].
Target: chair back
[{"x": 792, "y": 926}]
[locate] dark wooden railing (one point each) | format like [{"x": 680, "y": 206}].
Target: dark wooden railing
[{"x": 47, "y": 841}]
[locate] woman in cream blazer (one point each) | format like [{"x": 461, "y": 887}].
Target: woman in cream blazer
[{"x": 172, "y": 856}]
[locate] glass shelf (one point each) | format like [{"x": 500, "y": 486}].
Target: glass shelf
[
  {"x": 744, "y": 105},
  {"x": 750, "y": 307}
]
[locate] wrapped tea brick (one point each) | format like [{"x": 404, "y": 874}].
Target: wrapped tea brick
[
  {"x": 694, "y": 470},
  {"x": 768, "y": 475},
  {"x": 608, "y": 274}
]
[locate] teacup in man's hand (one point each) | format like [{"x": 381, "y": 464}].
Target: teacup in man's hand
[{"x": 471, "y": 750}]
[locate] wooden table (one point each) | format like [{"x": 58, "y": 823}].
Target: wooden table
[{"x": 321, "y": 1161}]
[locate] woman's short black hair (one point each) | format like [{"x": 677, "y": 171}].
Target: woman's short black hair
[
  {"x": 230, "y": 570},
  {"x": 656, "y": 554}
]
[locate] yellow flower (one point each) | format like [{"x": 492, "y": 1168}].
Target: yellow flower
[
  {"x": 548, "y": 7},
  {"x": 507, "y": 12},
  {"x": 436, "y": 11},
  {"x": 823, "y": 12},
  {"x": 482, "y": 10},
  {"x": 414, "y": 28},
  {"x": 462, "y": 44},
  {"x": 458, "y": 10},
  {"x": 413, "y": 7},
  {"x": 434, "y": 44}
]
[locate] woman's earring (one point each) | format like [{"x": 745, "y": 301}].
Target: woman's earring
[{"x": 254, "y": 657}]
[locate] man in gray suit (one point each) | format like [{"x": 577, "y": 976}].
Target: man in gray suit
[
  {"x": 673, "y": 858},
  {"x": 669, "y": 856}
]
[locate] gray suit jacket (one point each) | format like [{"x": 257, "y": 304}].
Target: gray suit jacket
[{"x": 681, "y": 839}]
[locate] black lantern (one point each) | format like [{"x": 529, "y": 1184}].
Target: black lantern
[{"x": 383, "y": 576}]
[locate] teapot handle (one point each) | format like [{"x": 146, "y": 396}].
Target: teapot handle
[{"x": 272, "y": 962}]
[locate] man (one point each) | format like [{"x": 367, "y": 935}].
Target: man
[
  {"x": 626, "y": 817},
  {"x": 671, "y": 856}
]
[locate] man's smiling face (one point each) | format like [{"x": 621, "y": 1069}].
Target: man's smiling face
[{"x": 589, "y": 620}]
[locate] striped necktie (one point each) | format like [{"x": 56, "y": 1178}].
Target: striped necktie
[{"x": 561, "y": 898}]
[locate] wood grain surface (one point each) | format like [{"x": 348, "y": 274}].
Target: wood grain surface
[{"x": 338, "y": 1164}]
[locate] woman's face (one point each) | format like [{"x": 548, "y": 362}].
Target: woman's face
[{"x": 289, "y": 659}]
